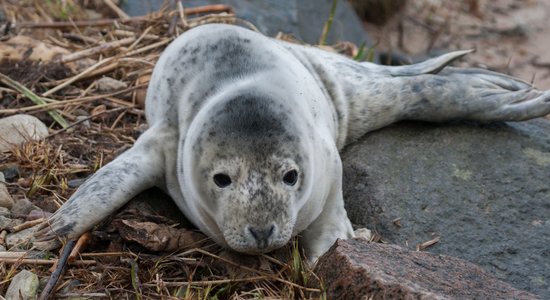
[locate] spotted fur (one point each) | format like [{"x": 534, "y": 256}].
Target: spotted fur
[{"x": 226, "y": 100}]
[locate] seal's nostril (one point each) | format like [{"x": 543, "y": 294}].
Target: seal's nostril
[{"x": 262, "y": 235}]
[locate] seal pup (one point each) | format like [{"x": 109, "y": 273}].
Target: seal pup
[{"x": 245, "y": 133}]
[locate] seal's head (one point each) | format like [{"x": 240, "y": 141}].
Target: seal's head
[{"x": 249, "y": 171}]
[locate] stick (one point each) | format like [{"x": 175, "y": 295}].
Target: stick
[
  {"x": 95, "y": 50},
  {"x": 77, "y": 77},
  {"x": 49, "y": 289},
  {"x": 86, "y": 119},
  {"x": 27, "y": 224},
  {"x": 121, "y": 14},
  {"x": 44, "y": 262},
  {"x": 80, "y": 245}
]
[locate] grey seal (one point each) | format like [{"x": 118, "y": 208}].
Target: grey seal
[{"x": 245, "y": 133}]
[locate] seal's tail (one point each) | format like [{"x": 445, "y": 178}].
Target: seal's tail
[{"x": 369, "y": 96}]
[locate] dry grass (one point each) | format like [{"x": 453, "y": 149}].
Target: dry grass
[{"x": 100, "y": 125}]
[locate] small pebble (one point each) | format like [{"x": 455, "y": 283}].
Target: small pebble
[{"x": 108, "y": 84}]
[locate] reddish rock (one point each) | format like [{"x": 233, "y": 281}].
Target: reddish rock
[{"x": 357, "y": 269}]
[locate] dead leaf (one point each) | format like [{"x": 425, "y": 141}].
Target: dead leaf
[{"x": 159, "y": 237}]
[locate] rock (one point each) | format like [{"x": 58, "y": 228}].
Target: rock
[
  {"x": 483, "y": 189},
  {"x": 10, "y": 173},
  {"x": 23, "y": 286},
  {"x": 17, "y": 129},
  {"x": 109, "y": 85},
  {"x": 7, "y": 223},
  {"x": 85, "y": 121},
  {"x": 6, "y": 201},
  {"x": 304, "y": 19},
  {"x": 5, "y": 212},
  {"x": 21, "y": 239},
  {"x": 22, "y": 207},
  {"x": 75, "y": 183},
  {"x": 357, "y": 269}
]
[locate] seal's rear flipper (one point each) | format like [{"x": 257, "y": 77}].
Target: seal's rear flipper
[
  {"x": 430, "y": 66},
  {"x": 135, "y": 170},
  {"x": 367, "y": 96}
]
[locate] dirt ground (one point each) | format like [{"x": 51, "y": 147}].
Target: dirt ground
[{"x": 510, "y": 36}]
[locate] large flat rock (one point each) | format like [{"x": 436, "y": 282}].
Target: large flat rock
[
  {"x": 483, "y": 189},
  {"x": 357, "y": 269}
]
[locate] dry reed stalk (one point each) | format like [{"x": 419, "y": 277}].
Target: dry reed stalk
[
  {"x": 121, "y": 14},
  {"x": 26, "y": 225},
  {"x": 96, "y": 50}
]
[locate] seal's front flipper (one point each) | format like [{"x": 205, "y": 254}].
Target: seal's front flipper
[
  {"x": 332, "y": 224},
  {"x": 107, "y": 190}
]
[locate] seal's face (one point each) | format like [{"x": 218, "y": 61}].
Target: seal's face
[
  {"x": 250, "y": 173},
  {"x": 255, "y": 200}
]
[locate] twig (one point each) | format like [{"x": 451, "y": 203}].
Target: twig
[
  {"x": 141, "y": 37},
  {"x": 27, "y": 224},
  {"x": 80, "y": 245},
  {"x": 78, "y": 77},
  {"x": 184, "y": 23},
  {"x": 107, "y": 254},
  {"x": 149, "y": 47},
  {"x": 86, "y": 119},
  {"x": 95, "y": 50},
  {"x": 121, "y": 14},
  {"x": 44, "y": 262},
  {"x": 59, "y": 270},
  {"x": 425, "y": 245},
  {"x": 212, "y": 282},
  {"x": 126, "y": 33},
  {"x": 82, "y": 295},
  {"x": 79, "y": 38}
]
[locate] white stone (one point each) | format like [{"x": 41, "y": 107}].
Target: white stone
[
  {"x": 5, "y": 198},
  {"x": 23, "y": 286},
  {"x": 17, "y": 129},
  {"x": 108, "y": 84}
]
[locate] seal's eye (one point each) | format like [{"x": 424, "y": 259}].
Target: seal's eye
[
  {"x": 291, "y": 177},
  {"x": 222, "y": 180}
]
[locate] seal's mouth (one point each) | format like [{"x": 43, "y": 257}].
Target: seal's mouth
[
  {"x": 255, "y": 241},
  {"x": 255, "y": 250}
]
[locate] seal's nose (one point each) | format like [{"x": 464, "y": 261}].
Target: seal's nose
[{"x": 262, "y": 234}]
